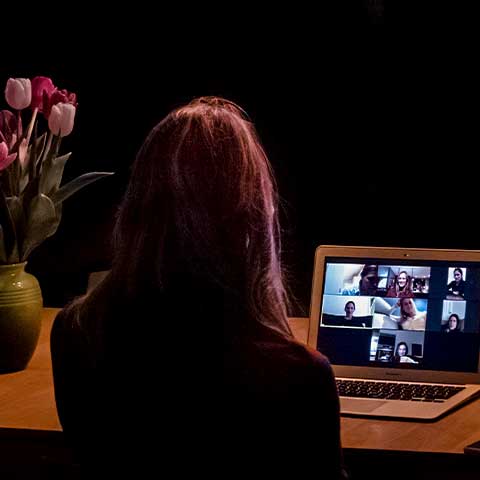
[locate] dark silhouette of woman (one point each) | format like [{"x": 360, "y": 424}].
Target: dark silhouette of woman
[{"x": 196, "y": 251}]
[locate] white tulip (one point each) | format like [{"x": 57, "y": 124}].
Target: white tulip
[
  {"x": 61, "y": 119},
  {"x": 18, "y": 93}
]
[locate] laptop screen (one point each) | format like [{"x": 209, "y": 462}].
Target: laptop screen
[{"x": 405, "y": 314}]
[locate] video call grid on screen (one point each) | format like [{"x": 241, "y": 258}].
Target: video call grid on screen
[{"x": 401, "y": 314}]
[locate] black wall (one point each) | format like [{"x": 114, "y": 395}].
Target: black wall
[{"x": 356, "y": 116}]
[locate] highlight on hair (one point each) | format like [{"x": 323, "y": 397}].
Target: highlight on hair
[{"x": 201, "y": 205}]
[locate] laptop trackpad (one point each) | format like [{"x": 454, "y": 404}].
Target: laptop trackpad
[{"x": 359, "y": 405}]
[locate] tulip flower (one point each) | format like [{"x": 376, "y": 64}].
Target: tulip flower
[
  {"x": 61, "y": 118},
  {"x": 57, "y": 96},
  {"x": 8, "y": 128},
  {"x": 41, "y": 86},
  {"x": 5, "y": 158},
  {"x": 18, "y": 93},
  {"x": 31, "y": 166}
]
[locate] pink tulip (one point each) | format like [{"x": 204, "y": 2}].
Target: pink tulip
[
  {"x": 18, "y": 93},
  {"x": 41, "y": 86},
  {"x": 5, "y": 158},
  {"x": 8, "y": 127},
  {"x": 61, "y": 119},
  {"x": 57, "y": 96}
]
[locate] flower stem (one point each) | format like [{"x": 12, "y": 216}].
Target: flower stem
[
  {"x": 46, "y": 152},
  {"x": 32, "y": 122},
  {"x": 10, "y": 181},
  {"x": 32, "y": 161},
  {"x": 19, "y": 125},
  {"x": 16, "y": 167}
]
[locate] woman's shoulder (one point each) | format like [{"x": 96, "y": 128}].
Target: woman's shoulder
[
  {"x": 289, "y": 355},
  {"x": 96, "y": 304},
  {"x": 80, "y": 314},
  {"x": 279, "y": 369},
  {"x": 66, "y": 318},
  {"x": 311, "y": 357},
  {"x": 67, "y": 343}
]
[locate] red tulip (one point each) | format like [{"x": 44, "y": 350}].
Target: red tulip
[
  {"x": 18, "y": 93},
  {"x": 41, "y": 86},
  {"x": 5, "y": 158},
  {"x": 57, "y": 96},
  {"x": 61, "y": 118},
  {"x": 8, "y": 127}
]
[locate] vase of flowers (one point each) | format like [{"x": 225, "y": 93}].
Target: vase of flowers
[
  {"x": 20, "y": 316},
  {"x": 31, "y": 197}
]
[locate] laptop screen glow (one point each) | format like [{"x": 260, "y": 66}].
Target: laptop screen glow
[{"x": 404, "y": 314}]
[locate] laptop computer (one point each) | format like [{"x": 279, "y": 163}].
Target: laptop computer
[{"x": 401, "y": 328}]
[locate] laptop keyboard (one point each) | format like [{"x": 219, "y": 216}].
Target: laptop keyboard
[{"x": 396, "y": 391}]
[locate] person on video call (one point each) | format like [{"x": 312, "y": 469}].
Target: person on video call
[
  {"x": 197, "y": 246},
  {"x": 401, "y": 354},
  {"x": 349, "y": 309},
  {"x": 349, "y": 319},
  {"x": 456, "y": 288},
  {"x": 368, "y": 280},
  {"x": 453, "y": 324},
  {"x": 401, "y": 286},
  {"x": 409, "y": 318}
]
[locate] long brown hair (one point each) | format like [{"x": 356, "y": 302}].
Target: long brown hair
[{"x": 202, "y": 206}]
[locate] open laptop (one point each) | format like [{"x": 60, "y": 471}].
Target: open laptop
[{"x": 401, "y": 328}]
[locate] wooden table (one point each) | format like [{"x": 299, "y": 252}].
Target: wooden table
[
  {"x": 28, "y": 414},
  {"x": 26, "y": 398},
  {"x": 27, "y": 402},
  {"x": 31, "y": 437}
]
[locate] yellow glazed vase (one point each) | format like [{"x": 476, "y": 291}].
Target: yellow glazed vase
[{"x": 20, "y": 316}]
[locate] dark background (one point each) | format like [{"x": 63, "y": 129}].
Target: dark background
[{"x": 370, "y": 123}]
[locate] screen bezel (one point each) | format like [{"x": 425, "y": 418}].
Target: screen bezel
[{"x": 388, "y": 253}]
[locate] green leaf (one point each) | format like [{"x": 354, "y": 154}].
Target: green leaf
[
  {"x": 49, "y": 153},
  {"x": 52, "y": 173},
  {"x": 8, "y": 228},
  {"x": 3, "y": 255},
  {"x": 42, "y": 222},
  {"x": 70, "y": 188},
  {"x": 30, "y": 192},
  {"x": 35, "y": 152},
  {"x": 23, "y": 181},
  {"x": 17, "y": 215}
]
